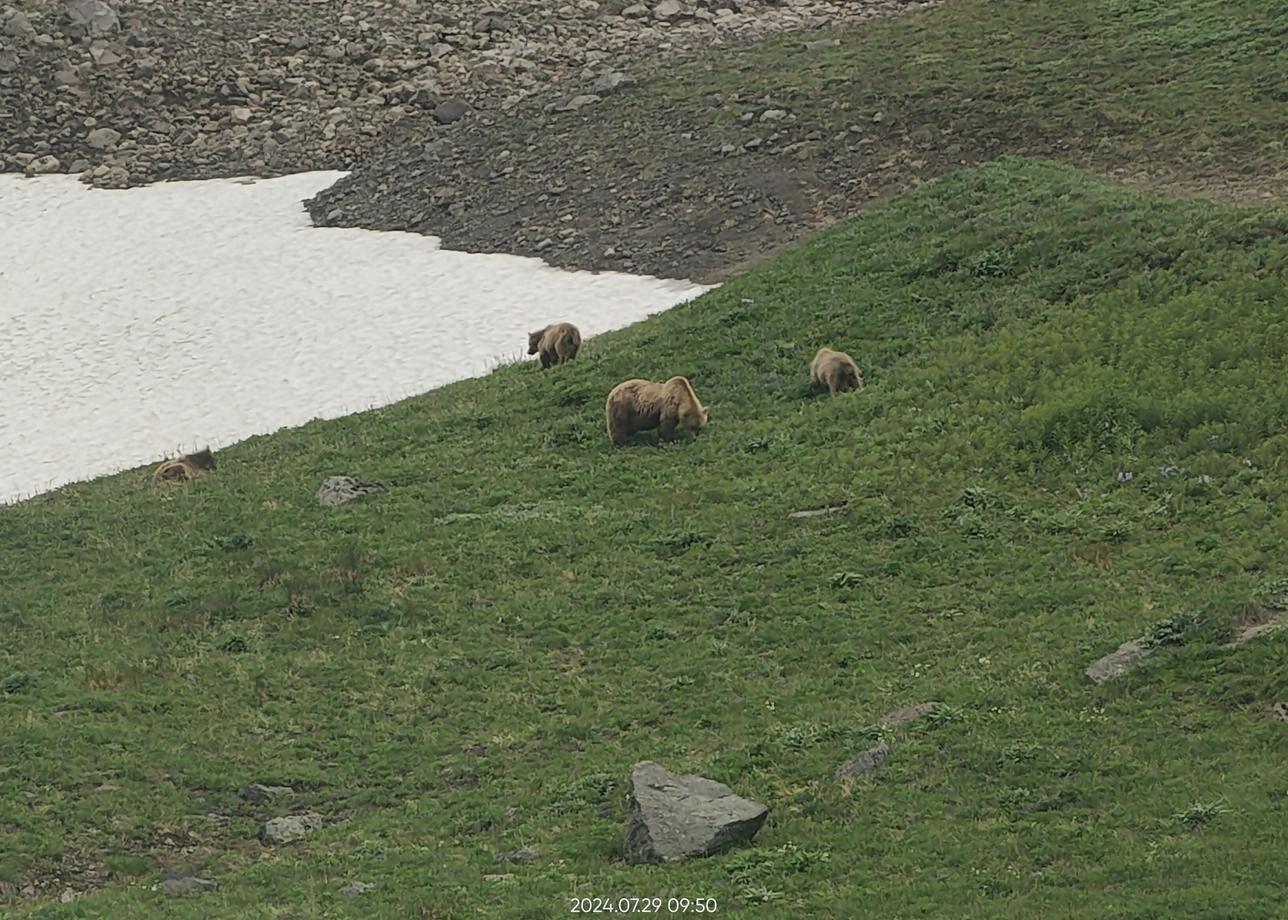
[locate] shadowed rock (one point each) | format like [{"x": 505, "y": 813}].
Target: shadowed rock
[
  {"x": 1127, "y": 657},
  {"x": 186, "y": 887},
  {"x": 674, "y": 817},
  {"x": 260, "y": 794},
  {"x": 863, "y": 763},
  {"x": 292, "y": 827},
  {"x": 522, "y": 854}
]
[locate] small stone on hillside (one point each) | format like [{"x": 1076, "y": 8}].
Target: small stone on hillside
[
  {"x": 1127, "y": 657},
  {"x": 673, "y": 817},
  {"x": 907, "y": 714},
  {"x": 572, "y": 103},
  {"x": 185, "y": 887},
  {"x": 522, "y": 854},
  {"x": 502, "y": 877},
  {"x": 606, "y": 83},
  {"x": 103, "y": 138},
  {"x": 96, "y": 17},
  {"x": 1280, "y": 711},
  {"x": 353, "y": 889},
  {"x": 863, "y": 763},
  {"x": 261, "y": 794},
  {"x": 290, "y": 828},
  {"x": 817, "y": 512},
  {"x": 340, "y": 490},
  {"x": 449, "y": 111}
]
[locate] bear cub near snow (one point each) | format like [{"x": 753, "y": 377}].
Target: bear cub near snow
[
  {"x": 557, "y": 343},
  {"x": 642, "y": 405},
  {"x": 185, "y": 467},
  {"x": 835, "y": 370}
]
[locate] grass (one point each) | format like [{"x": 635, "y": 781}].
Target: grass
[
  {"x": 472, "y": 661},
  {"x": 1186, "y": 94}
]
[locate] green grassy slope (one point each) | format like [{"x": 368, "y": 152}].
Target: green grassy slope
[{"x": 472, "y": 661}]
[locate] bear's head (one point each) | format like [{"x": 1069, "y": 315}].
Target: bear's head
[
  {"x": 203, "y": 459},
  {"x": 534, "y": 340}
]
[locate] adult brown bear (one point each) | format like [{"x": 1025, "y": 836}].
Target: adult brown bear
[
  {"x": 558, "y": 343},
  {"x": 835, "y": 370},
  {"x": 642, "y": 405}
]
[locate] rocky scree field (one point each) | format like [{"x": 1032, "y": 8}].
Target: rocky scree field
[
  {"x": 700, "y": 170},
  {"x": 130, "y": 92},
  {"x": 224, "y": 699}
]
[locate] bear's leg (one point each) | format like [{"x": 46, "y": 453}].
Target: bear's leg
[{"x": 666, "y": 427}]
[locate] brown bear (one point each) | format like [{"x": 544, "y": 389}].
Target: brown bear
[
  {"x": 641, "y": 405},
  {"x": 558, "y": 342},
  {"x": 188, "y": 466},
  {"x": 835, "y": 370}
]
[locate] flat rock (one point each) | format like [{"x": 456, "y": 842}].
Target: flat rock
[
  {"x": 353, "y": 889},
  {"x": 673, "y": 817},
  {"x": 340, "y": 490},
  {"x": 522, "y": 854},
  {"x": 898, "y": 717},
  {"x": 573, "y": 103},
  {"x": 816, "y": 512},
  {"x": 261, "y": 794},
  {"x": 186, "y": 887},
  {"x": 290, "y": 828},
  {"x": 863, "y": 763},
  {"x": 1127, "y": 657},
  {"x": 608, "y": 82}
]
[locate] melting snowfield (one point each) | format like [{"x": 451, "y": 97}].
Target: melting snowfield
[{"x": 139, "y": 323}]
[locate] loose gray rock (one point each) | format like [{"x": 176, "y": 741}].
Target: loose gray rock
[
  {"x": 290, "y": 828},
  {"x": 18, "y": 25},
  {"x": 522, "y": 854},
  {"x": 608, "y": 82},
  {"x": 450, "y": 111},
  {"x": 186, "y": 887},
  {"x": 103, "y": 138},
  {"x": 863, "y": 763},
  {"x": 898, "y": 717},
  {"x": 340, "y": 490},
  {"x": 261, "y": 794},
  {"x": 671, "y": 10},
  {"x": 572, "y": 103},
  {"x": 43, "y": 166},
  {"x": 773, "y": 115},
  {"x": 673, "y": 817},
  {"x": 97, "y": 17},
  {"x": 1127, "y": 657},
  {"x": 353, "y": 889}
]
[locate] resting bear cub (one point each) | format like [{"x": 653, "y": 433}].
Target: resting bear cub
[
  {"x": 558, "y": 342},
  {"x": 641, "y": 405},
  {"x": 188, "y": 466},
  {"x": 835, "y": 370}
]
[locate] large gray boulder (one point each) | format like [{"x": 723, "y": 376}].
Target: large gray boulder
[{"x": 675, "y": 817}]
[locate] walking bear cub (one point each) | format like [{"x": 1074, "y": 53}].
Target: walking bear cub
[
  {"x": 641, "y": 405},
  {"x": 185, "y": 467},
  {"x": 558, "y": 342},
  {"x": 835, "y": 370}
]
